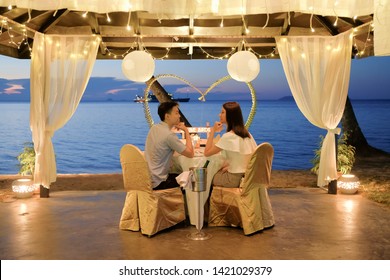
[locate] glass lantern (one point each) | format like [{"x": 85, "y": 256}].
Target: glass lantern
[
  {"x": 23, "y": 188},
  {"x": 348, "y": 184}
]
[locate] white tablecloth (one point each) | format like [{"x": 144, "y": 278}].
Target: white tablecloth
[{"x": 182, "y": 163}]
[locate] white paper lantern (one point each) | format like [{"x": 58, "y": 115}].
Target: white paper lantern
[
  {"x": 138, "y": 66},
  {"x": 243, "y": 66}
]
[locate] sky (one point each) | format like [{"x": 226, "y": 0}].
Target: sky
[{"x": 369, "y": 76}]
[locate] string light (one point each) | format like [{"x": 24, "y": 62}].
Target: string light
[
  {"x": 11, "y": 33},
  {"x": 245, "y": 27},
  {"x": 128, "y": 22},
  {"x": 268, "y": 55},
  {"x": 165, "y": 56},
  {"x": 266, "y": 9},
  {"x": 337, "y": 16},
  {"x": 29, "y": 15},
  {"x": 136, "y": 44},
  {"x": 311, "y": 23},
  {"x": 266, "y": 22},
  {"x": 335, "y": 22},
  {"x": 190, "y": 49},
  {"x": 246, "y": 30},
  {"x": 122, "y": 55},
  {"x": 226, "y": 55},
  {"x": 5, "y": 27},
  {"x": 362, "y": 52}
]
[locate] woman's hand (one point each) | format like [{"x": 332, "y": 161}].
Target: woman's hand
[
  {"x": 225, "y": 168},
  {"x": 218, "y": 126}
]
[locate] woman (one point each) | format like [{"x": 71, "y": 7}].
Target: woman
[{"x": 237, "y": 145}]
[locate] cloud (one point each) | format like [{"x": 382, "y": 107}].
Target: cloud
[
  {"x": 116, "y": 90},
  {"x": 13, "y": 89}
]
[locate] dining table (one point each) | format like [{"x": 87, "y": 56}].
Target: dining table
[{"x": 193, "y": 198}]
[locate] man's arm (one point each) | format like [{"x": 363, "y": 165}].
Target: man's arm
[{"x": 189, "y": 150}]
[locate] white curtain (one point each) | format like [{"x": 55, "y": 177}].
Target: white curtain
[
  {"x": 317, "y": 70},
  {"x": 60, "y": 70},
  {"x": 381, "y": 27},
  {"x": 180, "y": 8}
]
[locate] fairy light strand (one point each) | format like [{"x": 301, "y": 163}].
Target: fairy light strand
[
  {"x": 123, "y": 54},
  {"x": 360, "y": 53},
  {"x": 11, "y": 33},
  {"x": 12, "y": 28},
  {"x": 166, "y": 55},
  {"x": 209, "y": 55}
]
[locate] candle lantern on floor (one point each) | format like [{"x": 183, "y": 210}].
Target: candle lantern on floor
[
  {"x": 23, "y": 188},
  {"x": 348, "y": 184}
]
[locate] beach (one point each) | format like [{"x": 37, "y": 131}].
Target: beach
[{"x": 373, "y": 173}]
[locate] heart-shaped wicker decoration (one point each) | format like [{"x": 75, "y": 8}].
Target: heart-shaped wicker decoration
[{"x": 202, "y": 97}]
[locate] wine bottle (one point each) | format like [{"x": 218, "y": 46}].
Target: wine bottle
[{"x": 206, "y": 164}]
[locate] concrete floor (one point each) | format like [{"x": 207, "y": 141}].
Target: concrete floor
[{"x": 83, "y": 225}]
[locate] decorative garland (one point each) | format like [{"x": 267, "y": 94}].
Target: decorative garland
[{"x": 148, "y": 115}]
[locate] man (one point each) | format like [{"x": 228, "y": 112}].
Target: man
[{"x": 162, "y": 142}]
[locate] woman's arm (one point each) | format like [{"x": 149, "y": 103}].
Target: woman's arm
[{"x": 210, "y": 148}]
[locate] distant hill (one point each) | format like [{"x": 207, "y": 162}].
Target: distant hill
[
  {"x": 286, "y": 98},
  {"x": 102, "y": 89},
  {"x": 98, "y": 89}
]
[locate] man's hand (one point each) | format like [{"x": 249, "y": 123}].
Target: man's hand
[{"x": 181, "y": 126}]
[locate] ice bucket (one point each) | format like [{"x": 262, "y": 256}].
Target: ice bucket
[{"x": 200, "y": 179}]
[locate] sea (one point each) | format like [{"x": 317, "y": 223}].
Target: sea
[{"x": 90, "y": 142}]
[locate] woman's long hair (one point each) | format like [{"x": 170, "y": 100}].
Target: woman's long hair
[{"x": 234, "y": 119}]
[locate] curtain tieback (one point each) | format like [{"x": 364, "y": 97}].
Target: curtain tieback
[
  {"x": 336, "y": 130},
  {"x": 49, "y": 133}
]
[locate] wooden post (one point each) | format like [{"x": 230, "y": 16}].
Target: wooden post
[{"x": 43, "y": 192}]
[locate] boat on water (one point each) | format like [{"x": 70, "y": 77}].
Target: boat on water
[
  {"x": 140, "y": 99},
  {"x": 153, "y": 98}
]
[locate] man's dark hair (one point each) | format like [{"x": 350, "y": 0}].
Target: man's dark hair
[{"x": 166, "y": 108}]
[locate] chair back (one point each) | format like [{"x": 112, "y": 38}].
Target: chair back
[
  {"x": 258, "y": 171},
  {"x": 136, "y": 175}
]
